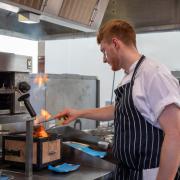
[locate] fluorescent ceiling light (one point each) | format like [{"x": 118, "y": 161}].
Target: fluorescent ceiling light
[
  {"x": 9, "y": 7},
  {"x": 28, "y": 18}
]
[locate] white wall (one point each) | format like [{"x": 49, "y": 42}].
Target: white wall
[
  {"x": 79, "y": 56},
  {"x": 164, "y": 47},
  {"x": 82, "y": 56},
  {"x": 21, "y": 47}
]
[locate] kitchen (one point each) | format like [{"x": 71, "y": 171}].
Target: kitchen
[{"x": 92, "y": 56}]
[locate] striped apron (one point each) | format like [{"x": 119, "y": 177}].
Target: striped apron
[{"x": 137, "y": 143}]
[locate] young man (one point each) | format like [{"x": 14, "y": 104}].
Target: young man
[{"x": 146, "y": 112}]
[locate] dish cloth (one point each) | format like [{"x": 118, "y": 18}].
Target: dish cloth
[
  {"x": 87, "y": 150},
  {"x": 64, "y": 168},
  {"x": 4, "y": 177}
]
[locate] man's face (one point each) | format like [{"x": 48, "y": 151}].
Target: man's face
[{"x": 110, "y": 55}]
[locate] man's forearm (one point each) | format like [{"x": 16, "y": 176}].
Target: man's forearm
[
  {"x": 102, "y": 114},
  {"x": 170, "y": 157}
]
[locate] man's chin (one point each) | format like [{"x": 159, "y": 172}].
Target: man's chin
[{"x": 115, "y": 68}]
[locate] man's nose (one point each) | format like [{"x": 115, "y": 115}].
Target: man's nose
[{"x": 104, "y": 59}]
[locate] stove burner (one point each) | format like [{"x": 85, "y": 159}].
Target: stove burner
[{"x": 45, "y": 150}]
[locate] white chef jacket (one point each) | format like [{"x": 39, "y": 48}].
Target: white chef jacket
[{"x": 154, "y": 88}]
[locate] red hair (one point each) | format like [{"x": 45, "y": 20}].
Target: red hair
[{"x": 119, "y": 29}]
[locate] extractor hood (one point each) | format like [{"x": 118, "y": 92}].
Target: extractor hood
[
  {"x": 55, "y": 16},
  {"x": 76, "y": 18}
]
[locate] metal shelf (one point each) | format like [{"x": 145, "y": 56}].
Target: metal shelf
[
  {"x": 6, "y": 91},
  {"x": 6, "y": 119}
]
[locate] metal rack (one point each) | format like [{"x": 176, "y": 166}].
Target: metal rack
[{"x": 6, "y": 119}]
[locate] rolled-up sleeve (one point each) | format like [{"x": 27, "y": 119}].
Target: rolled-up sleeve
[{"x": 162, "y": 90}]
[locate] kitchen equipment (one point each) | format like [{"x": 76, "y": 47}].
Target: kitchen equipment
[
  {"x": 25, "y": 99},
  {"x": 14, "y": 75},
  {"x": 9, "y": 92},
  {"x": 65, "y": 90},
  {"x": 45, "y": 150},
  {"x": 70, "y": 134},
  {"x": 14, "y": 72},
  {"x": 14, "y": 78}
]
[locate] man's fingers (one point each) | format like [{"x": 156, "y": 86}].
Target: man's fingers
[
  {"x": 65, "y": 117},
  {"x": 67, "y": 121},
  {"x": 61, "y": 114}
]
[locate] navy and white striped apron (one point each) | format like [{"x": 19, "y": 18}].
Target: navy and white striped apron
[{"x": 137, "y": 143}]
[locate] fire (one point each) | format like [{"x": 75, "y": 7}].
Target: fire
[
  {"x": 39, "y": 131},
  {"x": 41, "y": 79},
  {"x": 44, "y": 115}
]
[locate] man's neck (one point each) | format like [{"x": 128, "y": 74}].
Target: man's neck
[{"x": 130, "y": 58}]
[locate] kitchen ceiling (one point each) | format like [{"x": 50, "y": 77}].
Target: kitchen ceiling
[{"x": 144, "y": 15}]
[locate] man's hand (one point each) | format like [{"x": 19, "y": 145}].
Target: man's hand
[
  {"x": 68, "y": 114},
  {"x": 98, "y": 114}
]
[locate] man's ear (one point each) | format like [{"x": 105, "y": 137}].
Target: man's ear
[{"x": 116, "y": 43}]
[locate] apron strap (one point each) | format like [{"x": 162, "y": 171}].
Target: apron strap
[{"x": 136, "y": 68}]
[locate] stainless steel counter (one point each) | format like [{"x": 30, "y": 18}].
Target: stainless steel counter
[
  {"x": 83, "y": 173},
  {"x": 90, "y": 168}
]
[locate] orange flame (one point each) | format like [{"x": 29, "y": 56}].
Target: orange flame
[
  {"x": 45, "y": 115},
  {"x": 41, "y": 79},
  {"x": 40, "y": 131}
]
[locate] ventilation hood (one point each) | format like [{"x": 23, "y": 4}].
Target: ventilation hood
[
  {"x": 57, "y": 17},
  {"x": 79, "y": 18}
]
